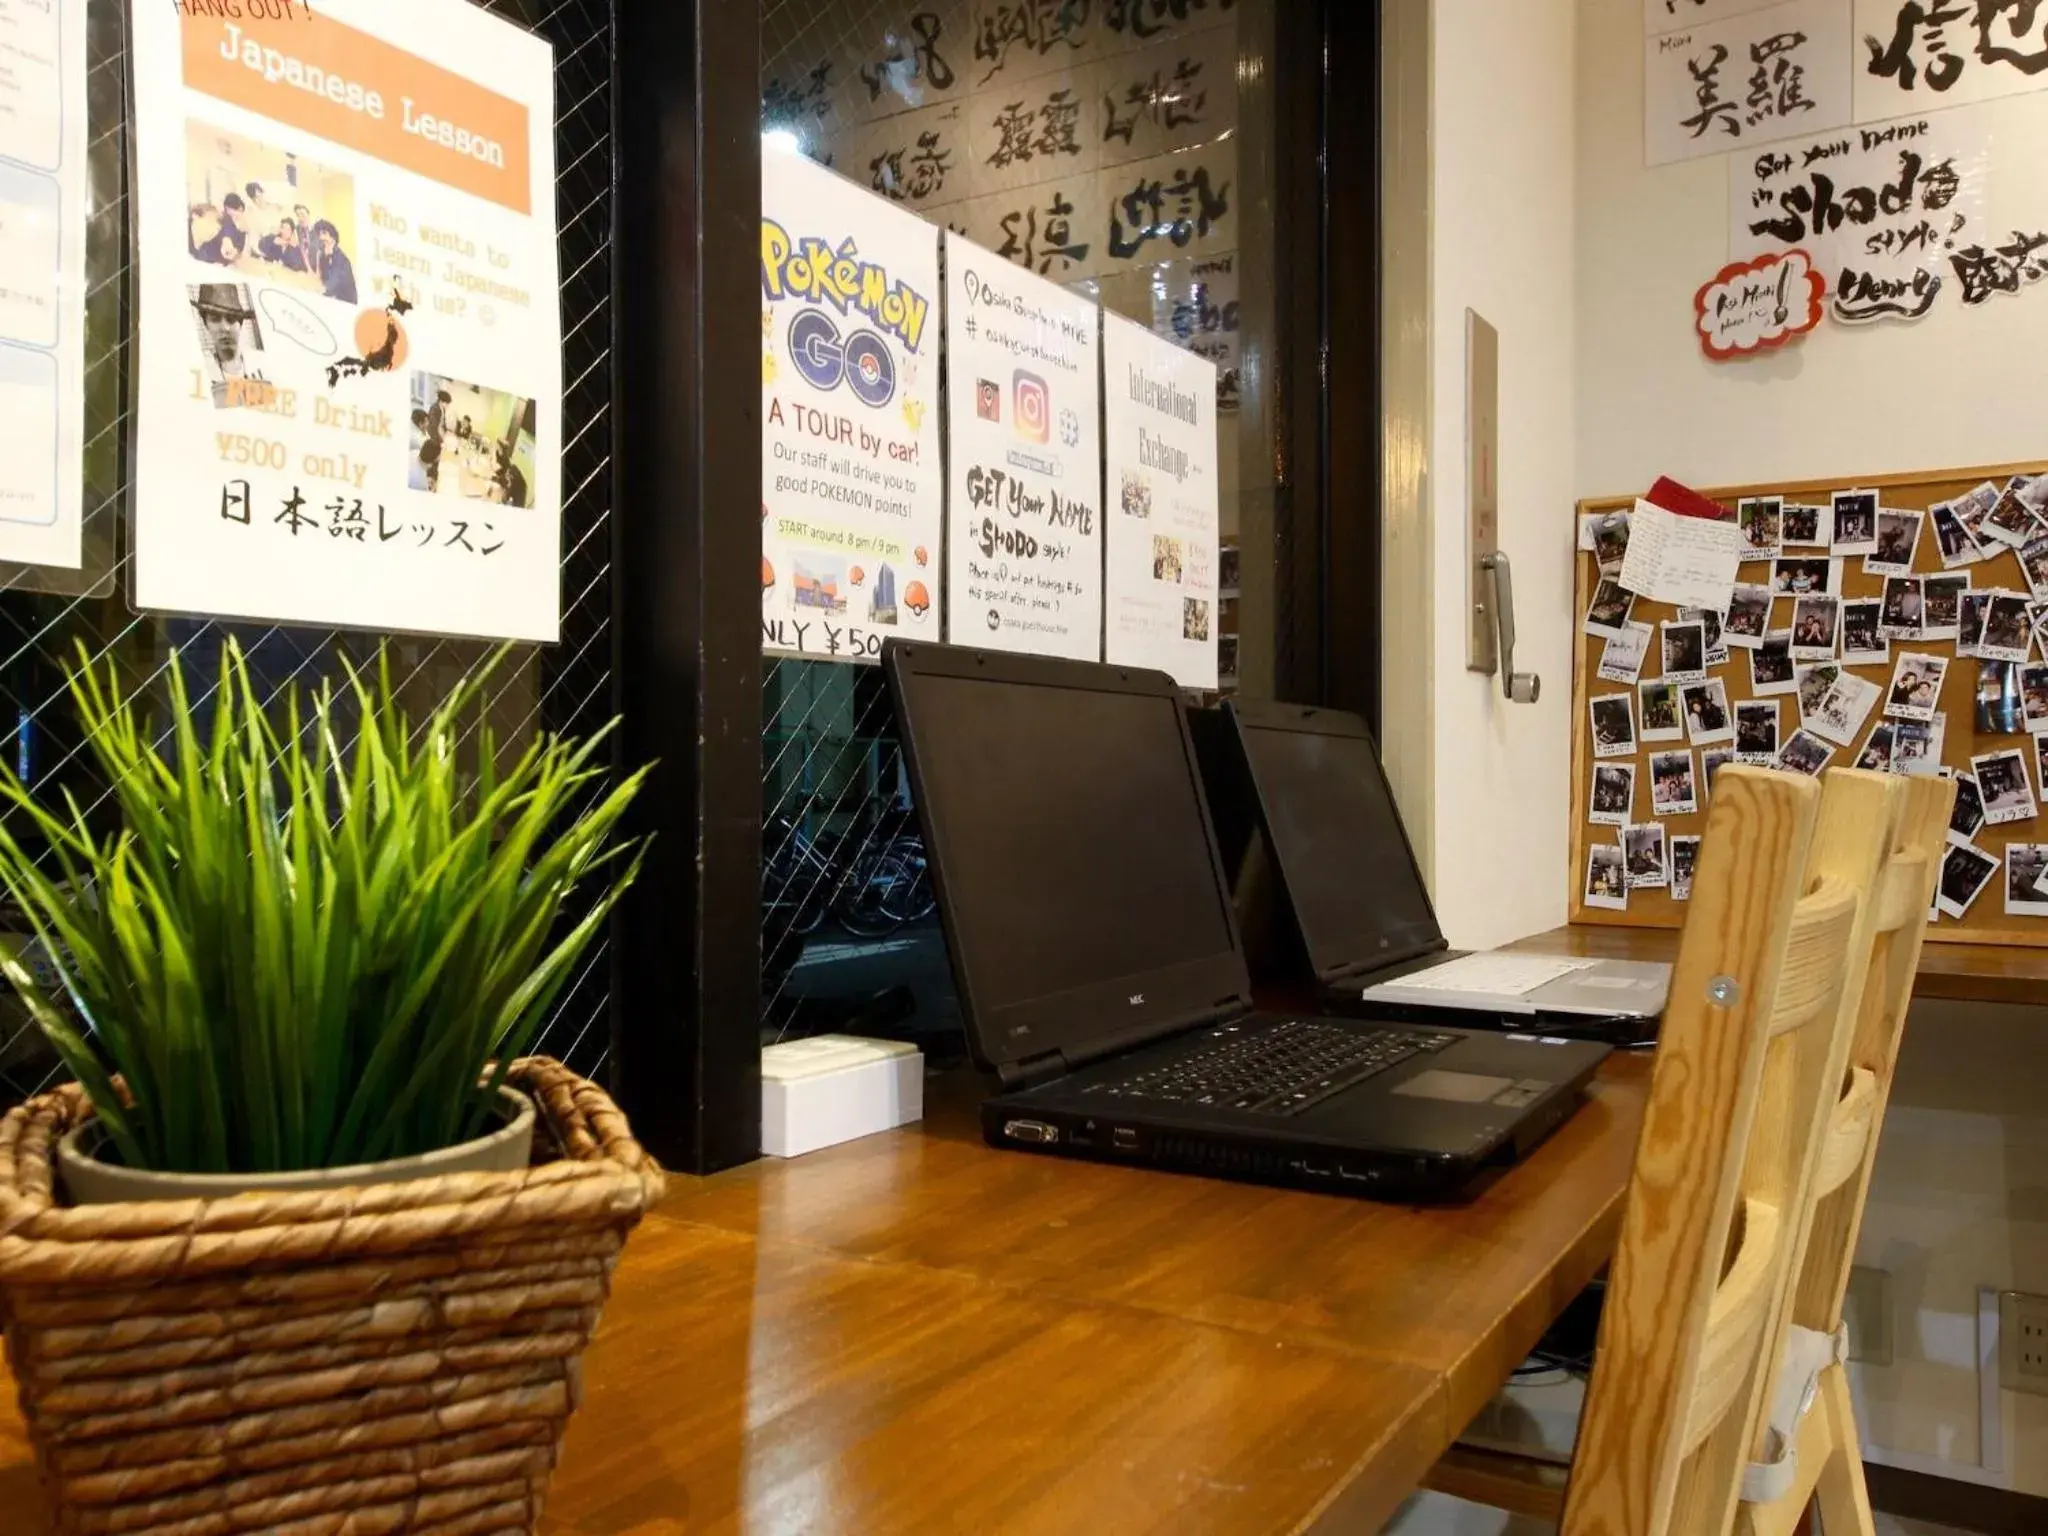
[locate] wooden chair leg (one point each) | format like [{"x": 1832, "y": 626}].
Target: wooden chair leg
[{"x": 1843, "y": 1500}]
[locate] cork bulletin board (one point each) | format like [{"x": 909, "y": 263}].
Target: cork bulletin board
[{"x": 1989, "y": 896}]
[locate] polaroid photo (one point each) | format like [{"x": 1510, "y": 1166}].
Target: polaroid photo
[
  {"x": 1643, "y": 846},
  {"x": 1708, "y": 721},
  {"x": 1971, "y": 508},
  {"x": 1864, "y": 642},
  {"x": 1844, "y": 708},
  {"x": 1855, "y": 523},
  {"x": 2034, "y": 563},
  {"x": 1608, "y": 613},
  {"x": 2008, "y": 632},
  {"x": 1916, "y": 746},
  {"x": 1614, "y": 726},
  {"x": 1966, "y": 820},
  {"x": 2040, "y": 758},
  {"x": 1952, "y": 538},
  {"x": 2034, "y": 492},
  {"x": 2010, "y": 521},
  {"x": 1717, "y": 642},
  {"x": 1916, "y": 686},
  {"x": 2036, "y": 612},
  {"x": 1608, "y": 539},
  {"x": 1606, "y": 879},
  {"x": 1672, "y": 788},
  {"x": 1711, "y": 763},
  {"x": 1586, "y": 522},
  {"x": 2034, "y": 698},
  {"x": 1756, "y": 731},
  {"x": 1801, "y": 524},
  {"x": 1898, "y": 539},
  {"x": 1964, "y": 873},
  {"x": 1905, "y": 607},
  {"x": 2025, "y": 864},
  {"x": 1685, "y": 858},
  {"x": 1762, "y": 521},
  {"x": 1814, "y": 682},
  {"x": 1614, "y": 794},
  {"x": 1805, "y": 753},
  {"x": 1802, "y": 576},
  {"x": 1876, "y": 756},
  {"x": 2000, "y": 706},
  {"x": 1685, "y": 650},
  {"x": 1660, "y": 707},
  {"x": 1749, "y": 616},
  {"x": 1941, "y": 605},
  {"x": 1970, "y": 619},
  {"x": 1816, "y": 627},
  {"x": 1621, "y": 658},
  {"x": 1771, "y": 666},
  {"x": 2004, "y": 786}
]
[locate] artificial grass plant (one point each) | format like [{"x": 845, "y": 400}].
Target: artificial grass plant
[{"x": 298, "y": 953}]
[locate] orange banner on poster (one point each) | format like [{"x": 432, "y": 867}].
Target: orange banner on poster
[{"x": 328, "y": 78}]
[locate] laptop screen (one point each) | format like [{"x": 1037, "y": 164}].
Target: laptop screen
[
  {"x": 1337, "y": 836},
  {"x": 1073, "y": 850}
]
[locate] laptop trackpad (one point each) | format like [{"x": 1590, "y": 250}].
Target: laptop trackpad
[{"x": 1454, "y": 1087}]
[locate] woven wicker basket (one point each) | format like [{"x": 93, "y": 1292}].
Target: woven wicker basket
[{"x": 397, "y": 1358}]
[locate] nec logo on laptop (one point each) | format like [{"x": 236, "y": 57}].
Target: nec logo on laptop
[{"x": 1137, "y": 999}]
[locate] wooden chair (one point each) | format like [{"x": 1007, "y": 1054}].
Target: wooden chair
[
  {"x": 1769, "y": 977},
  {"x": 1819, "y": 1461}
]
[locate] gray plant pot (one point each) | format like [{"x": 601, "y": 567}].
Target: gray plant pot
[{"x": 90, "y": 1181}]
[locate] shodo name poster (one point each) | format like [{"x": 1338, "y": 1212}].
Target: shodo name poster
[
  {"x": 852, "y": 489},
  {"x": 1159, "y": 460},
  {"x": 1024, "y": 480},
  {"x": 349, "y": 409}
]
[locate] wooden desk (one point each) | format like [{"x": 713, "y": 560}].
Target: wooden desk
[
  {"x": 1968, "y": 973},
  {"x": 915, "y": 1333}
]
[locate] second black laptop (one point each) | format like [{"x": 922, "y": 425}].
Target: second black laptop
[{"x": 1100, "y": 972}]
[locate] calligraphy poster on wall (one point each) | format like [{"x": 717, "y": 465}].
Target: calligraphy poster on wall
[
  {"x": 1923, "y": 55},
  {"x": 1882, "y": 209},
  {"x": 1160, "y": 471},
  {"x": 43, "y": 186},
  {"x": 349, "y": 401},
  {"x": 1746, "y": 80},
  {"x": 1670, "y": 15},
  {"x": 1023, "y": 522},
  {"x": 851, "y": 482}
]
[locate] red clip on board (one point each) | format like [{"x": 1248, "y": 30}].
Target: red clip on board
[{"x": 1686, "y": 502}]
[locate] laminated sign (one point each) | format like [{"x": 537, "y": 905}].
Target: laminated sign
[{"x": 349, "y": 406}]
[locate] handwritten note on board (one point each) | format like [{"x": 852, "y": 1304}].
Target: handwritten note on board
[{"x": 1689, "y": 562}]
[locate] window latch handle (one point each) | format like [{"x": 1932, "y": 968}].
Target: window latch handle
[{"x": 1518, "y": 687}]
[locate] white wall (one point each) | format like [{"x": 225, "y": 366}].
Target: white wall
[
  {"x": 1502, "y": 244},
  {"x": 1956, "y": 389}
]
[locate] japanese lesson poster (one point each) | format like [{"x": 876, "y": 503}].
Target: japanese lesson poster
[
  {"x": 43, "y": 188},
  {"x": 852, "y": 487},
  {"x": 1159, "y": 456},
  {"x": 1024, "y": 530},
  {"x": 350, "y": 375}
]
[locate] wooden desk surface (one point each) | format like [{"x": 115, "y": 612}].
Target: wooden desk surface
[
  {"x": 1969, "y": 973},
  {"x": 917, "y": 1333}
]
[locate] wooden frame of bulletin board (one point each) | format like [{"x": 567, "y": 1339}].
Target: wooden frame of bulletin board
[{"x": 1986, "y": 921}]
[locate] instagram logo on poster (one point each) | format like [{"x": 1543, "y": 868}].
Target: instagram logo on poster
[{"x": 1032, "y": 407}]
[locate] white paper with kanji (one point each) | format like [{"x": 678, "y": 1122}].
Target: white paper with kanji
[{"x": 349, "y": 391}]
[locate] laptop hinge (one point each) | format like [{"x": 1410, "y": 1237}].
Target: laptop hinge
[{"x": 1032, "y": 1071}]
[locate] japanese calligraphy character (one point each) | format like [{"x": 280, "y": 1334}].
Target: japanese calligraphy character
[
  {"x": 1058, "y": 245},
  {"x": 2004, "y": 269},
  {"x": 928, "y": 167},
  {"x": 1777, "y": 86},
  {"x": 811, "y": 96},
  {"x": 234, "y": 502},
  {"x": 460, "y": 536},
  {"x": 1060, "y": 120},
  {"x": 1714, "y": 109},
  {"x": 294, "y": 515},
  {"x": 1019, "y": 131},
  {"x": 2020, "y": 17},
  {"x": 386, "y": 532},
  {"x": 1040, "y": 25},
  {"x": 346, "y": 520},
  {"x": 1170, "y": 103},
  {"x": 1141, "y": 214},
  {"x": 900, "y": 70},
  {"x": 1144, "y": 18},
  {"x": 1895, "y": 60}
]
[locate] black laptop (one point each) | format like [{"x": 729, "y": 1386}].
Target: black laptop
[
  {"x": 1100, "y": 972},
  {"x": 1311, "y": 784}
]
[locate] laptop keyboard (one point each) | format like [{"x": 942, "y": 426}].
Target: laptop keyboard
[{"x": 1280, "y": 1069}]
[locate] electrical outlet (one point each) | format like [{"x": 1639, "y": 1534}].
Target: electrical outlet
[
  {"x": 1867, "y": 1310},
  {"x": 2023, "y": 1342}
]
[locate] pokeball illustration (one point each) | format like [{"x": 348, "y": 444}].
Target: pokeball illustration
[
  {"x": 767, "y": 575},
  {"x": 920, "y": 555},
  {"x": 916, "y": 599},
  {"x": 857, "y": 575}
]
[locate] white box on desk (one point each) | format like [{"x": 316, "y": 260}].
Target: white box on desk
[{"x": 833, "y": 1088}]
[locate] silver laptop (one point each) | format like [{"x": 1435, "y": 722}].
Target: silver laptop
[{"x": 1349, "y": 877}]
